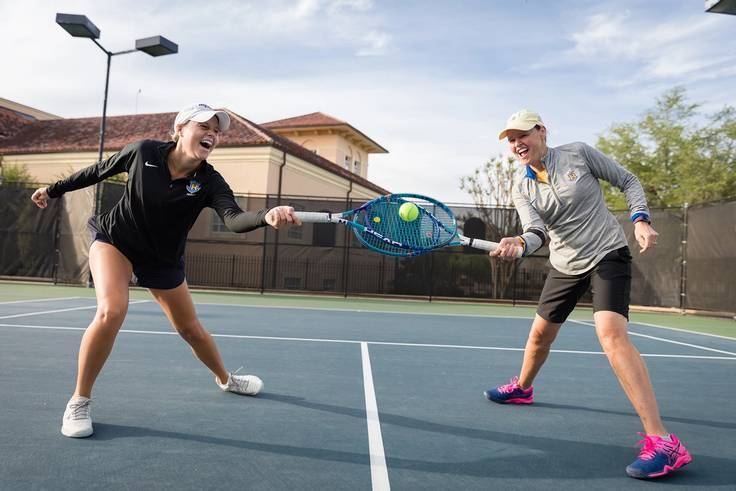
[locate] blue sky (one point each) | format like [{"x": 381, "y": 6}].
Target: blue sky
[{"x": 431, "y": 81}]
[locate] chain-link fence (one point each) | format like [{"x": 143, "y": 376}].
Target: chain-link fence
[{"x": 693, "y": 266}]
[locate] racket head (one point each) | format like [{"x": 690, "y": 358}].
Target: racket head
[{"x": 434, "y": 227}]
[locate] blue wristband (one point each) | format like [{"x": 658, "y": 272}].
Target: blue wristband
[{"x": 639, "y": 217}]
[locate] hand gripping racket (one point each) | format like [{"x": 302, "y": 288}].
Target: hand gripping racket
[{"x": 379, "y": 226}]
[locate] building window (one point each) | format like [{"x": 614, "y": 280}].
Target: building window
[
  {"x": 295, "y": 232},
  {"x": 347, "y": 162},
  {"x": 356, "y": 166},
  {"x": 216, "y": 225}
]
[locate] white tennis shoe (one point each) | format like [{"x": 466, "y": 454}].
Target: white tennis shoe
[
  {"x": 77, "y": 421},
  {"x": 248, "y": 385}
]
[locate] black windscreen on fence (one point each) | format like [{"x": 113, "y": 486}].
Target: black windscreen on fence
[
  {"x": 710, "y": 269},
  {"x": 28, "y": 235},
  {"x": 692, "y": 267}
]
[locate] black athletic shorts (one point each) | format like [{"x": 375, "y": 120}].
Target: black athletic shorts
[
  {"x": 611, "y": 280},
  {"x": 148, "y": 276}
]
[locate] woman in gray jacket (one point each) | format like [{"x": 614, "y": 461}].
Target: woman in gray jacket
[{"x": 559, "y": 200}]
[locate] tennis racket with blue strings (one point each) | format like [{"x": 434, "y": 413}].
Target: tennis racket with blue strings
[{"x": 379, "y": 225}]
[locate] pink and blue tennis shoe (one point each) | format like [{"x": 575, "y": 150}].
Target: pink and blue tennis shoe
[
  {"x": 511, "y": 393},
  {"x": 658, "y": 457}
]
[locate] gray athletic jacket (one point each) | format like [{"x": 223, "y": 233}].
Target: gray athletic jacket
[{"x": 571, "y": 211}]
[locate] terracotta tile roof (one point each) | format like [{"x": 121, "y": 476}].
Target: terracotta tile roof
[
  {"x": 318, "y": 119},
  {"x": 82, "y": 135},
  {"x": 312, "y": 119},
  {"x": 284, "y": 144},
  {"x": 11, "y": 123}
]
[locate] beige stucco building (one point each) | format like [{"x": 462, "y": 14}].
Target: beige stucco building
[
  {"x": 312, "y": 155},
  {"x": 329, "y": 137}
]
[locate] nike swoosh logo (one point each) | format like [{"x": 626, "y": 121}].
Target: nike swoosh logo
[{"x": 149, "y": 165}]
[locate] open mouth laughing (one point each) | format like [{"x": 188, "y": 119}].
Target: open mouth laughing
[{"x": 207, "y": 143}]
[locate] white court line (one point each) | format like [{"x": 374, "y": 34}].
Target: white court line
[
  {"x": 677, "y": 329},
  {"x": 40, "y": 300},
  {"x": 705, "y": 348},
  {"x": 379, "y": 472},
  {"x": 86, "y": 307},
  {"x": 483, "y": 316},
  {"x": 385, "y": 343},
  {"x": 366, "y": 311}
]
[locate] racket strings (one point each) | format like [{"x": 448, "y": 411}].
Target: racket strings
[{"x": 433, "y": 227}]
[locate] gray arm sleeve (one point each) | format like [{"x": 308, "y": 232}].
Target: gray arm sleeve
[
  {"x": 604, "y": 167},
  {"x": 535, "y": 234},
  {"x": 237, "y": 220}
]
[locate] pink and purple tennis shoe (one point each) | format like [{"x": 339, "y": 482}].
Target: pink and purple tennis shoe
[
  {"x": 511, "y": 393},
  {"x": 658, "y": 457}
]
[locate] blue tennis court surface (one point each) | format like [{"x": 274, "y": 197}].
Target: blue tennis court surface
[{"x": 352, "y": 400}]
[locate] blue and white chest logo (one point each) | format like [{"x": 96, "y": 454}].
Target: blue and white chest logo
[{"x": 193, "y": 187}]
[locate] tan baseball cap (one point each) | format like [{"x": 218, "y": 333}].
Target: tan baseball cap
[
  {"x": 201, "y": 113},
  {"x": 523, "y": 120}
]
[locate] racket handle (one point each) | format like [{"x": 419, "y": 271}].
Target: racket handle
[
  {"x": 485, "y": 245},
  {"x": 314, "y": 217}
]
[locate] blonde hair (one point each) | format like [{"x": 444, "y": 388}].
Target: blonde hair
[{"x": 175, "y": 134}]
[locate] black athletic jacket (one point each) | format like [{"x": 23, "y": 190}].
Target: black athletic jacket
[{"x": 150, "y": 223}]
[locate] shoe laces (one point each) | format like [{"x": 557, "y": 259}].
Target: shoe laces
[
  {"x": 651, "y": 444},
  {"x": 240, "y": 382},
  {"x": 79, "y": 410},
  {"x": 505, "y": 389}
]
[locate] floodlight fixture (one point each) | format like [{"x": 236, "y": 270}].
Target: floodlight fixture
[
  {"x": 81, "y": 26},
  {"x": 156, "y": 46},
  {"x": 721, "y": 6},
  {"x": 78, "y": 26}
]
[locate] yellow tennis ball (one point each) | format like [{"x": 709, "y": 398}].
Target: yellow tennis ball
[
  {"x": 409, "y": 212},
  {"x": 377, "y": 219}
]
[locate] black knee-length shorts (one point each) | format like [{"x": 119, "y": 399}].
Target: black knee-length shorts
[{"x": 611, "y": 280}]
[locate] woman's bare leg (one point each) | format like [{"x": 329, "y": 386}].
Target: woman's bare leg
[
  {"x": 541, "y": 336},
  {"x": 111, "y": 272},
  {"x": 178, "y": 306},
  {"x": 629, "y": 368}
]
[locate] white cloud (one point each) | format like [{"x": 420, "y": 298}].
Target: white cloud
[
  {"x": 375, "y": 43},
  {"x": 357, "y": 5},
  {"x": 632, "y": 50},
  {"x": 605, "y": 35},
  {"x": 304, "y": 9}
]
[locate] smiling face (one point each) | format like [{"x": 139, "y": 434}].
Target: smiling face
[
  {"x": 528, "y": 146},
  {"x": 197, "y": 140}
]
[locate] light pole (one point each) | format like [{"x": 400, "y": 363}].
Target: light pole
[
  {"x": 81, "y": 26},
  {"x": 721, "y": 6}
]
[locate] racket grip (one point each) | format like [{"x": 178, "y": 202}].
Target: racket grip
[
  {"x": 487, "y": 245},
  {"x": 314, "y": 217}
]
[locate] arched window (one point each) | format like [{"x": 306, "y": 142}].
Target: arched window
[
  {"x": 348, "y": 162},
  {"x": 309, "y": 145}
]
